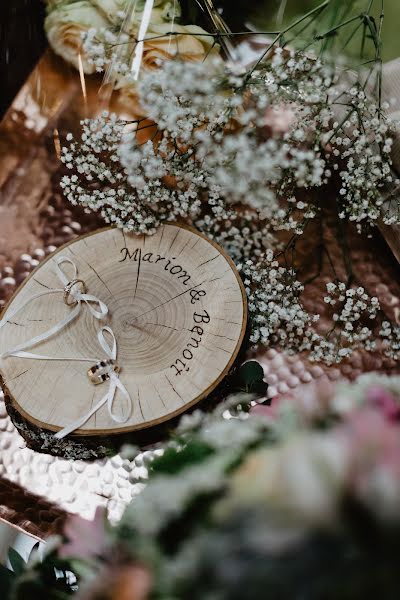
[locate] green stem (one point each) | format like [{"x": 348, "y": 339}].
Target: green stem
[
  {"x": 334, "y": 29},
  {"x": 306, "y": 16}
]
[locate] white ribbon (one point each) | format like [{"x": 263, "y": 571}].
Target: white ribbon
[
  {"x": 98, "y": 309},
  {"x": 115, "y": 384},
  {"x": 144, "y": 25}
]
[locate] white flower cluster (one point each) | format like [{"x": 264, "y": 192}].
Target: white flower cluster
[
  {"x": 240, "y": 232},
  {"x": 349, "y": 130},
  {"x": 353, "y": 307},
  {"x": 360, "y": 151},
  {"x": 99, "y": 182},
  {"x": 280, "y": 319},
  {"x": 139, "y": 203},
  {"x": 347, "y": 397},
  {"x": 278, "y": 316},
  {"x": 220, "y": 122},
  {"x": 390, "y": 334},
  {"x": 251, "y": 140},
  {"x": 287, "y": 451},
  {"x": 240, "y": 155},
  {"x": 183, "y": 98},
  {"x": 95, "y": 43}
]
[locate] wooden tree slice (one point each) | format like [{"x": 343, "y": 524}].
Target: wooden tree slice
[{"x": 177, "y": 307}]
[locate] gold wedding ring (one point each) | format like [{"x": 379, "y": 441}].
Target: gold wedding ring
[
  {"x": 101, "y": 371},
  {"x": 68, "y": 289}
]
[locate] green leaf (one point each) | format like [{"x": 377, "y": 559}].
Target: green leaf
[
  {"x": 259, "y": 388},
  {"x": 7, "y": 578},
  {"x": 16, "y": 561},
  {"x": 173, "y": 461},
  {"x": 251, "y": 372},
  {"x": 251, "y": 379}
]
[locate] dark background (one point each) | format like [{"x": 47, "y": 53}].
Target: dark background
[{"x": 22, "y": 41}]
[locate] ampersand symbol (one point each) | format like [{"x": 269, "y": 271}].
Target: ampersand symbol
[{"x": 196, "y": 295}]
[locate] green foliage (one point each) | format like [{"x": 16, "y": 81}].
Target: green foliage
[
  {"x": 7, "y": 578},
  {"x": 321, "y": 566},
  {"x": 251, "y": 372},
  {"x": 175, "y": 460},
  {"x": 246, "y": 384},
  {"x": 16, "y": 561},
  {"x": 266, "y": 15},
  {"x": 251, "y": 379},
  {"x": 52, "y": 579}
]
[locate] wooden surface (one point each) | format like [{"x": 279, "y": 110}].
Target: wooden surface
[{"x": 178, "y": 311}]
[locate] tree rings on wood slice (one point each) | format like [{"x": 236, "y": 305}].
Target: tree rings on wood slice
[{"x": 178, "y": 310}]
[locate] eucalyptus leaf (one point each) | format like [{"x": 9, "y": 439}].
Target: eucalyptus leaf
[
  {"x": 6, "y": 580},
  {"x": 16, "y": 561},
  {"x": 173, "y": 461},
  {"x": 251, "y": 372}
]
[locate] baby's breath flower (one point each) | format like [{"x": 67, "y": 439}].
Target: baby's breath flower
[{"x": 241, "y": 156}]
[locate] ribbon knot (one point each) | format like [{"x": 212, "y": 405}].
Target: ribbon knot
[
  {"x": 72, "y": 287},
  {"x": 76, "y": 289},
  {"x": 98, "y": 309},
  {"x": 108, "y": 399}
]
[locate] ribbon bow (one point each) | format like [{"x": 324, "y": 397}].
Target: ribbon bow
[
  {"x": 98, "y": 309},
  {"x": 109, "y": 397}
]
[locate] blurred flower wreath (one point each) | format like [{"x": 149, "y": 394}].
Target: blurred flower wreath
[{"x": 301, "y": 499}]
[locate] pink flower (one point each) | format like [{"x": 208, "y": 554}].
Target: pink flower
[
  {"x": 267, "y": 410},
  {"x": 374, "y": 474},
  {"x": 86, "y": 539},
  {"x": 380, "y": 398},
  {"x": 309, "y": 403},
  {"x": 373, "y": 439}
]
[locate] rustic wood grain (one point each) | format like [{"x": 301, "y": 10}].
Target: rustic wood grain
[{"x": 177, "y": 308}]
